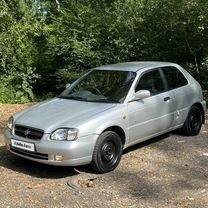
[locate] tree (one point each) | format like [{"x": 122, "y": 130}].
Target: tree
[{"x": 46, "y": 44}]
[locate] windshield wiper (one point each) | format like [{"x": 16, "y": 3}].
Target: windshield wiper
[
  {"x": 72, "y": 97},
  {"x": 105, "y": 100},
  {"x": 102, "y": 100}
]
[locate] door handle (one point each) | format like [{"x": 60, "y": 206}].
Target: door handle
[{"x": 166, "y": 99}]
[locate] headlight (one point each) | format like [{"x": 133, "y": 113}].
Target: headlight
[
  {"x": 10, "y": 122},
  {"x": 64, "y": 134}
]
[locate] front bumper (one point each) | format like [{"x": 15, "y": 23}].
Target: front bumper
[{"x": 74, "y": 153}]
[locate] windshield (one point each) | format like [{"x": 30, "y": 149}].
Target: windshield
[{"x": 101, "y": 86}]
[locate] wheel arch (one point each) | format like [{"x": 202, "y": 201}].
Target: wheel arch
[
  {"x": 200, "y": 106},
  {"x": 119, "y": 131}
]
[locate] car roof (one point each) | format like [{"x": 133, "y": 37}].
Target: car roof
[{"x": 134, "y": 66}]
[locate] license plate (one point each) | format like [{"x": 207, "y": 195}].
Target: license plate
[{"x": 23, "y": 145}]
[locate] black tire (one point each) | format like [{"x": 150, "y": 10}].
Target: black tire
[
  {"x": 193, "y": 123},
  {"x": 107, "y": 152}
]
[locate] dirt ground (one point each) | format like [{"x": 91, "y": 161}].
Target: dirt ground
[{"x": 167, "y": 172}]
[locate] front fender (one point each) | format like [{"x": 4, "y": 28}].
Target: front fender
[{"x": 108, "y": 125}]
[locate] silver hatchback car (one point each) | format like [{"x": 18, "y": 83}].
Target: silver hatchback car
[{"x": 108, "y": 109}]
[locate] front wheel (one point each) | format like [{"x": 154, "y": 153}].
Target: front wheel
[
  {"x": 193, "y": 122},
  {"x": 107, "y": 152}
]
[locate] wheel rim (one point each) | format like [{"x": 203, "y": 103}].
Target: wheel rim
[
  {"x": 109, "y": 153},
  {"x": 195, "y": 121}
]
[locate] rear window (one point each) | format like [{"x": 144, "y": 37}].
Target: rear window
[{"x": 174, "y": 77}]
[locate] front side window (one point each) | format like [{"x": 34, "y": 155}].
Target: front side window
[
  {"x": 151, "y": 81},
  {"x": 101, "y": 86},
  {"x": 174, "y": 77}
]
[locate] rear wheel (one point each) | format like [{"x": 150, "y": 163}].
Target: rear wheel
[
  {"x": 107, "y": 152},
  {"x": 193, "y": 122}
]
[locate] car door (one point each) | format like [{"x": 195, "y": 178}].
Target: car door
[{"x": 153, "y": 115}]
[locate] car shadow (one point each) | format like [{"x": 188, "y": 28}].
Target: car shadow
[
  {"x": 28, "y": 167},
  {"x": 146, "y": 143}
]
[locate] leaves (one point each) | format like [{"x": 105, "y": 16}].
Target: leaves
[{"x": 42, "y": 47}]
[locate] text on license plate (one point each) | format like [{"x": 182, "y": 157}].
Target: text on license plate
[{"x": 23, "y": 145}]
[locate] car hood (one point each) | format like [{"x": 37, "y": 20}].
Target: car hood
[{"x": 58, "y": 112}]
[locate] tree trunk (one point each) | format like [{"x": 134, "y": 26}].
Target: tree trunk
[{"x": 58, "y": 4}]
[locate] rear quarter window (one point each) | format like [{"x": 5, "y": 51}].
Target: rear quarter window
[{"x": 174, "y": 77}]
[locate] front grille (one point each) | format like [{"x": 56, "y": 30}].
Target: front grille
[
  {"x": 28, "y": 132},
  {"x": 34, "y": 155}
]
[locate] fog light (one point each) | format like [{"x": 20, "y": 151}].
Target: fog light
[{"x": 59, "y": 157}]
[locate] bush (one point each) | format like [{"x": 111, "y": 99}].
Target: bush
[
  {"x": 17, "y": 88},
  {"x": 18, "y": 54},
  {"x": 42, "y": 48}
]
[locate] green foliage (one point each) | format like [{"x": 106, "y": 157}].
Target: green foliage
[
  {"x": 17, "y": 55},
  {"x": 204, "y": 73},
  {"x": 10, "y": 94},
  {"x": 42, "y": 49}
]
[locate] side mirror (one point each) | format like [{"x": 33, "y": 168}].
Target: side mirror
[
  {"x": 67, "y": 85},
  {"x": 141, "y": 94}
]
